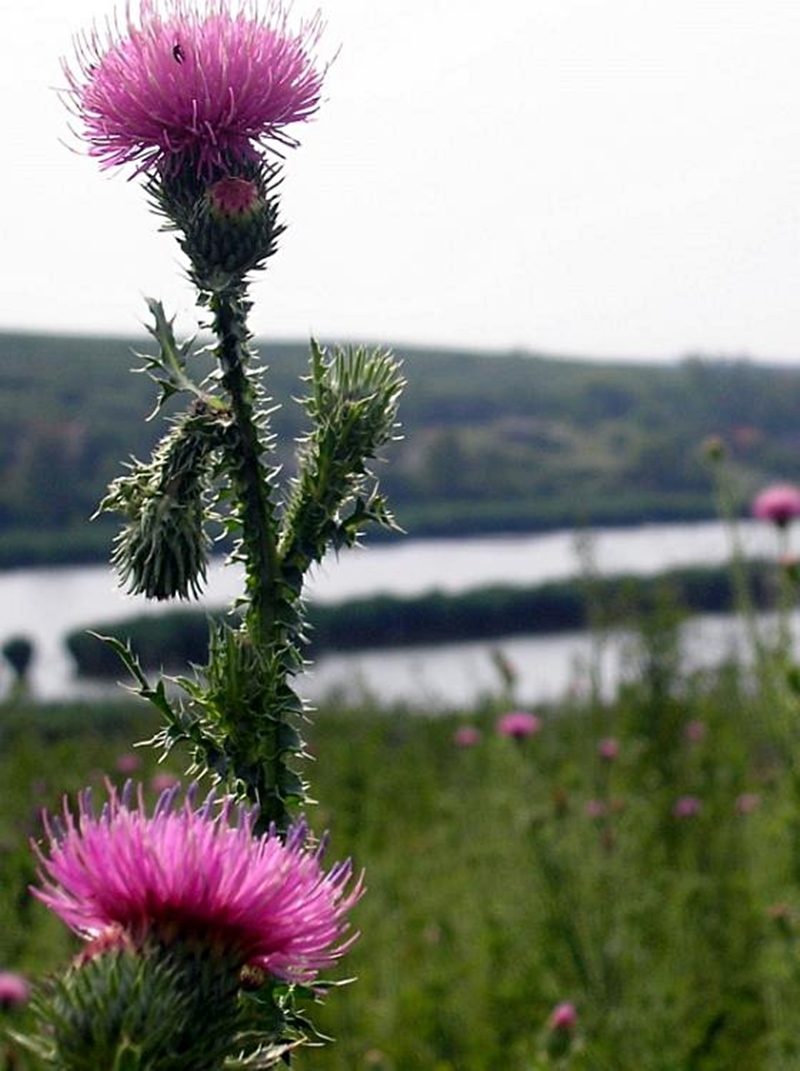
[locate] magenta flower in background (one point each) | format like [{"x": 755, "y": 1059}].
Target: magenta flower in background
[
  {"x": 608, "y": 749},
  {"x": 161, "y": 782},
  {"x": 687, "y": 807},
  {"x": 14, "y": 989},
  {"x": 748, "y": 802},
  {"x": 695, "y": 731},
  {"x": 127, "y": 763},
  {"x": 519, "y": 724},
  {"x": 778, "y": 504},
  {"x": 467, "y": 736},
  {"x": 205, "y": 80},
  {"x": 193, "y": 873},
  {"x": 564, "y": 1017}
]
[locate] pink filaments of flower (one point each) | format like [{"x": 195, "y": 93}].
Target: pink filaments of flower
[
  {"x": 778, "y": 504},
  {"x": 519, "y": 724},
  {"x": 198, "y": 874},
  {"x": 203, "y": 80}
]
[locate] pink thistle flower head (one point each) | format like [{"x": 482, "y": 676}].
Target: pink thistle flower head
[
  {"x": 778, "y": 504},
  {"x": 201, "y": 79},
  {"x": 564, "y": 1017},
  {"x": 595, "y": 809},
  {"x": 687, "y": 807},
  {"x": 695, "y": 732},
  {"x": 467, "y": 736},
  {"x": 519, "y": 724},
  {"x": 127, "y": 763},
  {"x": 197, "y": 874},
  {"x": 14, "y": 989},
  {"x": 748, "y": 802},
  {"x": 608, "y": 749}
]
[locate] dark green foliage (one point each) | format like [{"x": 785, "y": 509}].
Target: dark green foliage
[
  {"x": 18, "y": 651},
  {"x": 492, "y": 442},
  {"x": 176, "y": 637},
  {"x": 493, "y": 893}
]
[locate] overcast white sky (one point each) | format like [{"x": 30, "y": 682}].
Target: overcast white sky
[{"x": 611, "y": 178}]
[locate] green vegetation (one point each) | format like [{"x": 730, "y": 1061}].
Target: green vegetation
[
  {"x": 658, "y": 888},
  {"x": 497, "y": 442}
]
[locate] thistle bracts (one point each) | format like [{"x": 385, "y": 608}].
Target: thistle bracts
[
  {"x": 353, "y": 401},
  {"x": 226, "y": 221},
  {"x": 199, "y": 933},
  {"x": 162, "y": 551}
]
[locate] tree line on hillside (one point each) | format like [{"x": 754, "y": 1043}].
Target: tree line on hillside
[{"x": 490, "y": 442}]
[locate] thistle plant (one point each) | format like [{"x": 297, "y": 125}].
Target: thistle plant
[{"x": 202, "y": 929}]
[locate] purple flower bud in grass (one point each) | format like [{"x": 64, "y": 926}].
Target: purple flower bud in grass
[
  {"x": 199, "y": 79},
  {"x": 595, "y": 809},
  {"x": 695, "y": 731},
  {"x": 687, "y": 807},
  {"x": 127, "y": 763},
  {"x": 748, "y": 802},
  {"x": 564, "y": 1017},
  {"x": 197, "y": 874},
  {"x": 519, "y": 724},
  {"x": 608, "y": 749},
  {"x": 14, "y": 989},
  {"x": 467, "y": 736},
  {"x": 778, "y": 504}
]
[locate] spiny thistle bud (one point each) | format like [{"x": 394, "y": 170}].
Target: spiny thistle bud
[
  {"x": 162, "y": 552},
  {"x": 232, "y": 230}
]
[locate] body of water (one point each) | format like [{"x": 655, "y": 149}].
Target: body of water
[{"x": 44, "y": 604}]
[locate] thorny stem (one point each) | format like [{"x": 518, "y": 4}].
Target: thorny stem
[
  {"x": 267, "y": 775},
  {"x": 258, "y": 540}
]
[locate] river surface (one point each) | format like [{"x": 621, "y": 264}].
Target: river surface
[{"x": 46, "y": 603}]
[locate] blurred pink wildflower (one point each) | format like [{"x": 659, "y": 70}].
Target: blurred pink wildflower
[
  {"x": 608, "y": 749},
  {"x": 687, "y": 807},
  {"x": 519, "y": 724},
  {"x": 127, "y": 763},
  {"x": 14, "y": 989},
  {"x": 695, "y": 731},
  {"x": 564, "y": 1017},
  {"x": 160, "y": 782},
  {"x": 189, "y": 873},
  {"x": 467, "y": 736},
  {"x": 778, "y": 504},
  {"x": 203, "y": 79},
  {"x": 748, "y": 802},
  {"x": 595, "y": 809}
]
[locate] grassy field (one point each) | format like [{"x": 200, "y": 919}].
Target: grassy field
[{"x": 637, "y": 859}]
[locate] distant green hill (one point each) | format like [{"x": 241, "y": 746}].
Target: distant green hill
[{"x": 492, "y": 442}]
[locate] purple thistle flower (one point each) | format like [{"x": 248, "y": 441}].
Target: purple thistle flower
[
  {"x": 191, "y": 873},
  {"x": 778, "y": 504},
  {"x": 687, "y": 807},
  {"x": 467, "y": 736},
  {"x": 519, "y": 724},
  {"x": 14, "y": 989},
  {"x": 205, "y": 81},
  {"x": 564, "y": 1017}
]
